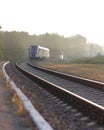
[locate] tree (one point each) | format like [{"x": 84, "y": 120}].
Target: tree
[
  {"x": 15, "y": 45},
  {"x": 12, "y": 46}
]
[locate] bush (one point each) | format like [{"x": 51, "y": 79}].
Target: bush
[{"x": 91, "y": 60}]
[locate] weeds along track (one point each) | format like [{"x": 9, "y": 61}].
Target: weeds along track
[{"x": 83, "y": 94}]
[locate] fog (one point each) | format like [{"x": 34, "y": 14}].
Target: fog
[{"x": 14, "y": 45}]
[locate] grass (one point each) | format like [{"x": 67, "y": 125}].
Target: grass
[
  {"x": 89, "y": 60},
  {"x": 25, "y": 119},
  {"x": 92, "y": 68},
  {"x": 16, "y": 100}
]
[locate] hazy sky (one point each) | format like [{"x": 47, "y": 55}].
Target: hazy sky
[{"x": 65, "y": 17}]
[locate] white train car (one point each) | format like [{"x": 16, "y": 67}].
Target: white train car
[{"x": 38, "y": 52}]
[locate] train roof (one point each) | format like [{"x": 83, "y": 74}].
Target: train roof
[{"x": 40, "y": 47}]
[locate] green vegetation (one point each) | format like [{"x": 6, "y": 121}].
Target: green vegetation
[
  {"x": 91, "y": 60},
  {"x": 14, "y": 46}
]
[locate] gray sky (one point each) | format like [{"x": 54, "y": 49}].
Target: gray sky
[{"x": 65, "y": 17}]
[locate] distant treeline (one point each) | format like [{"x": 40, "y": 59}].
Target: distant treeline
[{"x": 14, "y": 45}]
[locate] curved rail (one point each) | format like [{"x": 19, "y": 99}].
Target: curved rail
[
  {"x": 38, "y": 120},
  {"x": 84, "y": 81},
  {"x": 93, "y": 110}
]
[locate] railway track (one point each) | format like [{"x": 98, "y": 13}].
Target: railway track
[{"x": 82, "y": 94}]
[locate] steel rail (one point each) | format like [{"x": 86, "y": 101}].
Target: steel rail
[
  {"x": 88, "y": 82},
  {"x": 37, "y": 119},
  {"x": 87, "y": 107}
]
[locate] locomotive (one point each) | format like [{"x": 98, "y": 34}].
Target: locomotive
[{"x": 38, "y": 52}]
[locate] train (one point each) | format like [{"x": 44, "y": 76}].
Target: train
[{"x": 38, "y": 52}]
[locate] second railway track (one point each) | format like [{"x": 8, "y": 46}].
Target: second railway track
[{"x": 87, "y": 100}]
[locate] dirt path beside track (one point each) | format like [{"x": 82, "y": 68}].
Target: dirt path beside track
[{"x": 9, "y": 118}]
